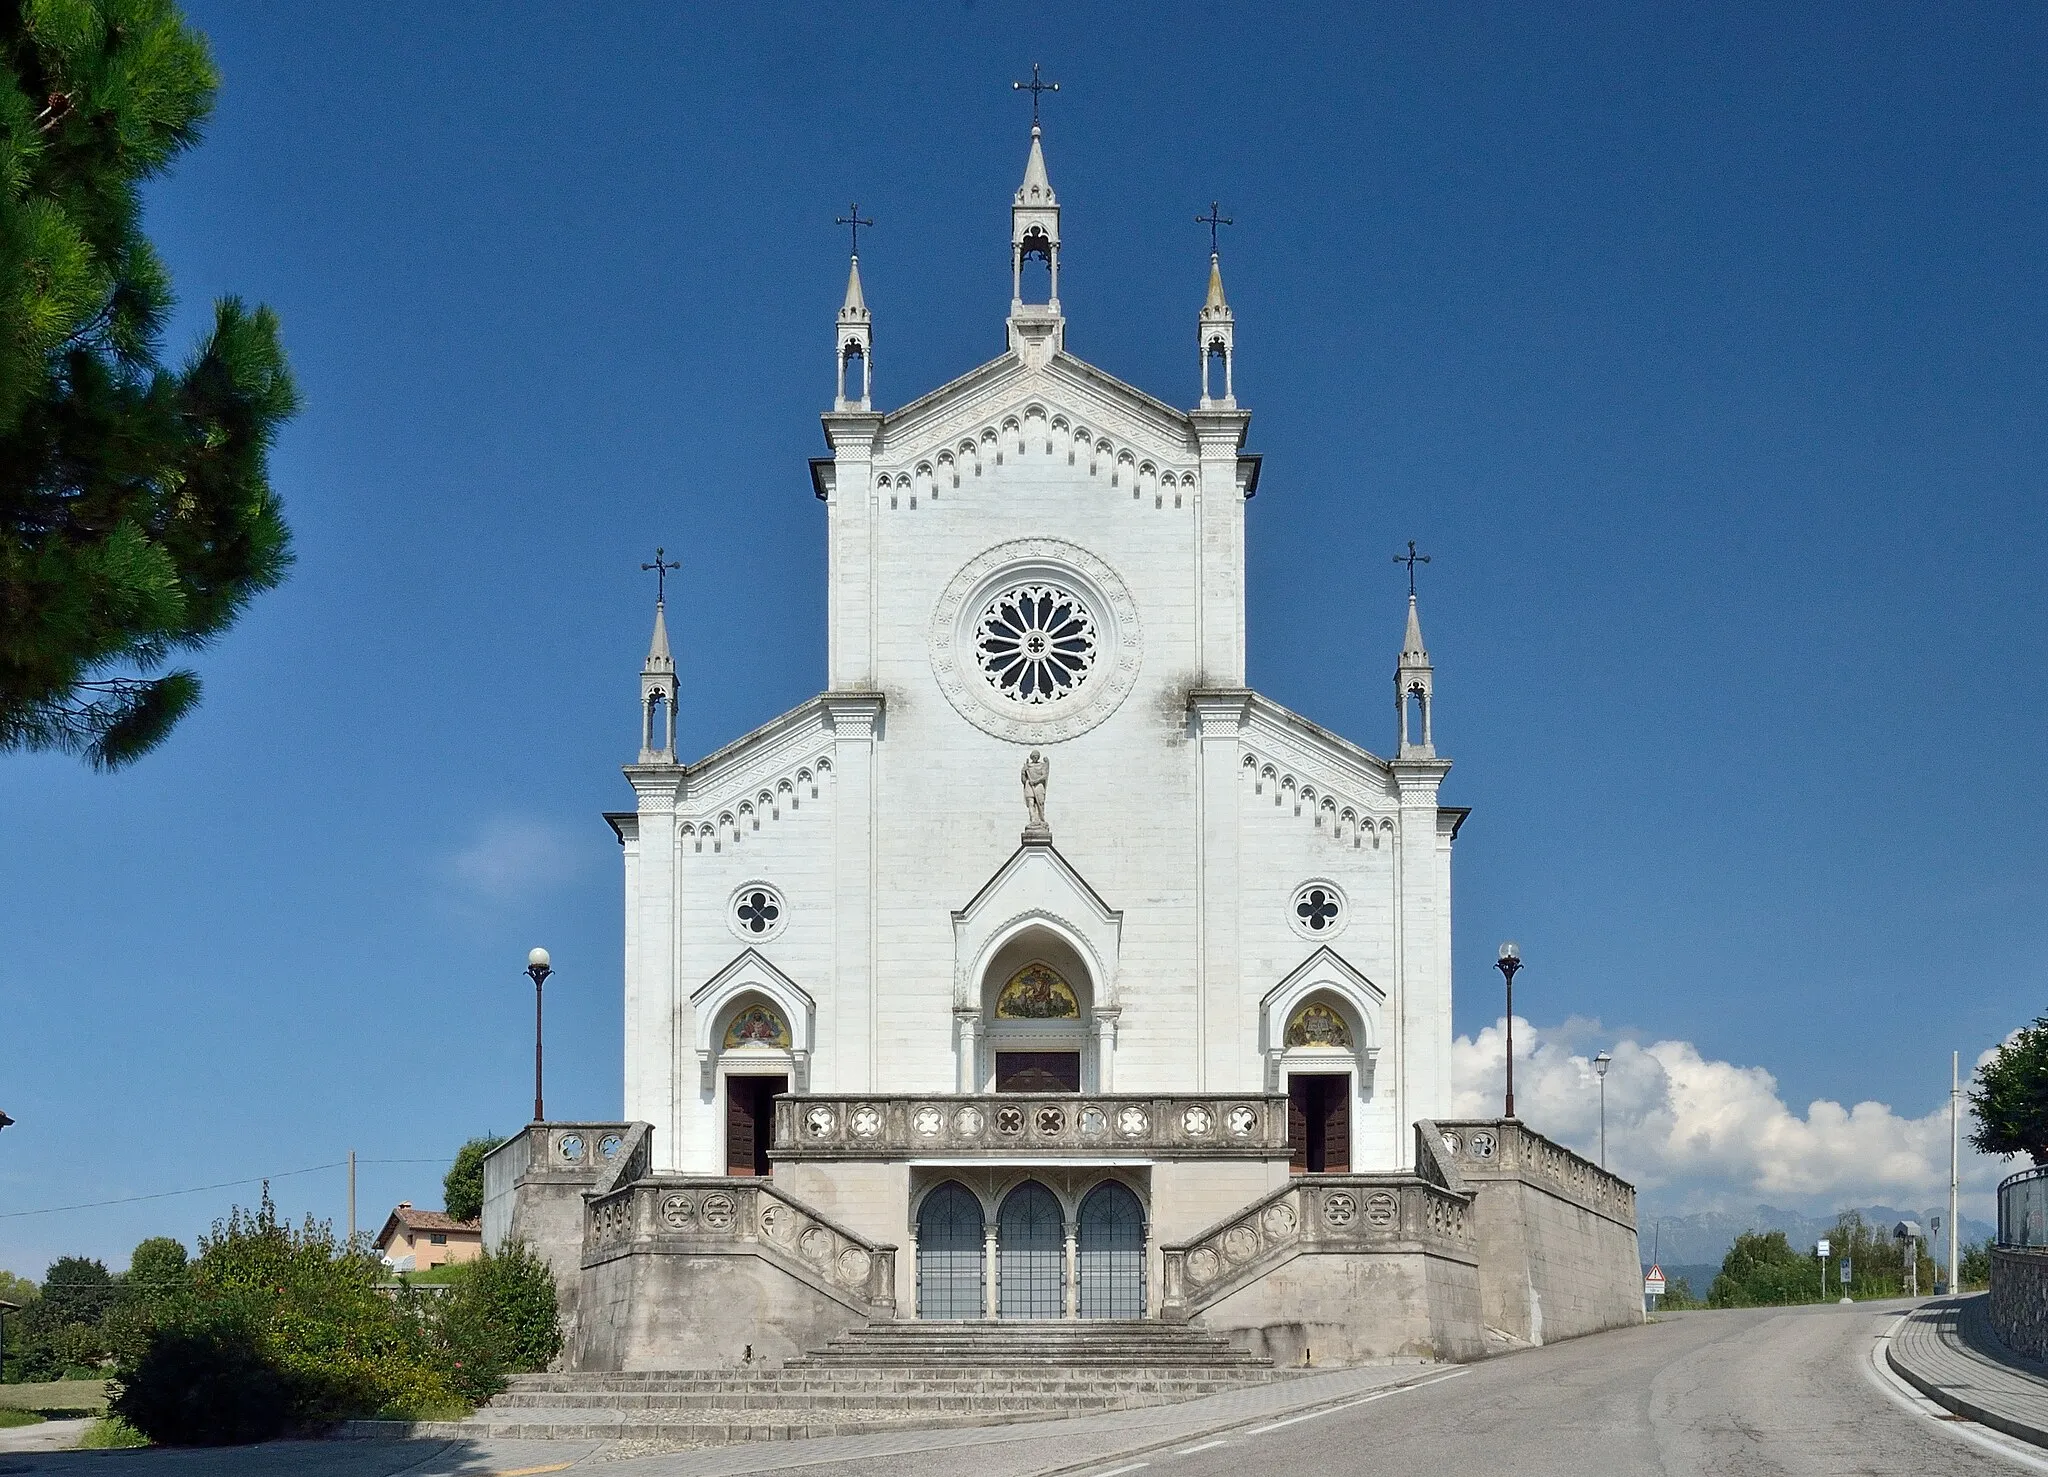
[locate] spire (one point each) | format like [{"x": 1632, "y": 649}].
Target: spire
[
  {"x": 1413, "y": 652},
  {"x": 658, "y": 676},
  {"x": 855, "y": 308},
  {"x": 659, "y": 663},
  {"x": 855, "y": 326},
  {"x": 1037, "y": 331},
  {"x": 1037, "y": 186},
  {"x": 1217, "y": 328}
]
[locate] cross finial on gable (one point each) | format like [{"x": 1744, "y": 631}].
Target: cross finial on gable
[
  {"x": 852, "y": 218},
  {"x": 1034, "y": 87},
  {"x": 661, "y": 567},
  {"x": 1212, "y": 220},
  {"x": 1411, "y": 559}
]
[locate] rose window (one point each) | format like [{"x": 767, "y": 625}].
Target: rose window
[
  {"x": 1317, "y": 910},
  {"x": 1036, "y": 643}
]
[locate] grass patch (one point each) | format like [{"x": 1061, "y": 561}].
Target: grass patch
[
  {"x": 9, "y": 1417},
  {"x": 111, "y": 1433},
  {"x": 84, "y": 1397}
]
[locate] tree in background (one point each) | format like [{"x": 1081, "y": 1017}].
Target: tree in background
[
  {"x": 136, "y": 514},
  {"x": 1762, "y": 1269},
  {"x": 148, "y": 1294},
  {"x": 1973, "y": 1268},
  {"x": 462, "y": 1191},
  {"x": 2009, "y": 1096}
]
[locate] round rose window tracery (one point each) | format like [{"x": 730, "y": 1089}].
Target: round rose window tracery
[{"x": 1036, "y": 643}]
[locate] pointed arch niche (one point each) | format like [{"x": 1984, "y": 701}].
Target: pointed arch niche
[
  {"x": 1036, "y": 911},
  {"x": 1037, "y": 1016},
  {"x": 1319, "y": 1030},
  {"x": 734, "y": 1013}
]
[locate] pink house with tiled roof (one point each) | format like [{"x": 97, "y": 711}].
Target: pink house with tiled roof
[{"x": 414, "y": 1240}]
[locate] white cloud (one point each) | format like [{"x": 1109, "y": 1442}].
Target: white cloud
[
  {"x": 1696, "y": 1134},
  {"x": 512, "y": 857}
]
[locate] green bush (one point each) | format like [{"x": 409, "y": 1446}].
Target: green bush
[
  {"x": 10, "y": 1417},
  {"x": 1973, "y": 1267},
  {"x": 1760, "y": 1270},
  {"x": 501, "y": 1319},
  {"x": 207, "y": 1385},
  {"x": 110, "y": 1433},
  {"x": 282, "y": 1328},
  {"x": 462, "y": 1191}
]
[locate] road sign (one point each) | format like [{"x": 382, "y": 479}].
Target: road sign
[
  {"x": 1845, "y": 1271},
  {"x": 1822, "y": 1248},
  {"x": 1653, "y": 1285}
]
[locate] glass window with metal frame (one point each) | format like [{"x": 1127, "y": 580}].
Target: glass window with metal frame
[
  {"x": 1031, "y": 1254},
  {"x": 950, "y": 1273},
  {"x": 1110, "y": 1247}
]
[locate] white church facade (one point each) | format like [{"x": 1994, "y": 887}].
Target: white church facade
[{"x": 1037, "y": 968}]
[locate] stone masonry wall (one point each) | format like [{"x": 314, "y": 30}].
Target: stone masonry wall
[{"x": 2019, "y": 1299}]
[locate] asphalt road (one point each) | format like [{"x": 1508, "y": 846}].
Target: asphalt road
[{"x": 1732, "y": 1394}]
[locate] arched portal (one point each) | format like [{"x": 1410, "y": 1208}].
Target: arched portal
[
  {"x": 1110, "y": 1249},
  {"x": 1038, "y": 997},
  {"x": 1031, "y": 1280},
  {"x": 950, "y": 1273}
]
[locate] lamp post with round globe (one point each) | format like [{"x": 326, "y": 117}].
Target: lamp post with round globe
[
  {"x": 538, "y": 970},
  {"x": 1600, "y": 1065},
  {"x": 1509, "y": 961}
]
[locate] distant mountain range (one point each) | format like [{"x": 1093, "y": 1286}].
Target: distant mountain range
[{"x": 1694, "y": 1241}]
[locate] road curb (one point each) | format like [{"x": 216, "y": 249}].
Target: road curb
[{"x": 1956, "y": 1404}]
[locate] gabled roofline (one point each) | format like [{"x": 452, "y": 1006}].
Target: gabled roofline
[
  {"x": 1007, "y": 363},
  {"x": 1016, "y": 859},
  {"x": 1330, "y": 743}
]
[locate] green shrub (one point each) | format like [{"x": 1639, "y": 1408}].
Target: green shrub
[
  {"x": 501, "y": 1319},
  {"x": 19, "y": 1418},
  {"x": 282, "y": 1329},
  {"x": 207, "y": 1385},
  {"x": 1762, "y": 1269},
  {"x": 1973, "y": 1267},
  {"x": 462, "y": 1191},
  {"x": 111, "y": 1433}
]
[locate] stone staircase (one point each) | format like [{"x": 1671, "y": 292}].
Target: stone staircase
[{"x": 882, "y": 1377}]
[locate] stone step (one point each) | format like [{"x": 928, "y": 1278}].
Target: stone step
[
  {"x": 1102, "y": 1397},
  {"x": 698, "y": 1429},
  {"x": 876, "y": 1386}
]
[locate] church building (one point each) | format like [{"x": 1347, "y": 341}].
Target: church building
[{"x": 1037, "y": 968}]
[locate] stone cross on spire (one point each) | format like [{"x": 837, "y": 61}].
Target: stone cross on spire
[
  {"x": 1212, "y": 220},
  {"x": 1034, "y": 87},
  {"x": 853, "y": 218},
  {"x": 1411, "y": 559},
  {"x": 661, "y": 567}
]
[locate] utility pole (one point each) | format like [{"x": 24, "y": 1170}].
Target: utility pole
[
  {"x": 351, "y": 1197},
  {"x": 1955, "y": 1102}
]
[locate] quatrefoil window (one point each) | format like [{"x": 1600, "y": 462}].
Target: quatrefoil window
[
  {"x": 758, "y": 912},
  {"x": 1316, "y": 910},
  {"x": 1036, "y": 643}
]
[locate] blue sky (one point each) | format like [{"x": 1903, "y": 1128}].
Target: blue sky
[{"x": 1700, "y": 348}]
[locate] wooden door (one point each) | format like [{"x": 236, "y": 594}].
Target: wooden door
[
  {"x": 1299, "y": 1090},
  {"x": 1337, "y": 1123},
  {"x": 749, "y": 1122}
]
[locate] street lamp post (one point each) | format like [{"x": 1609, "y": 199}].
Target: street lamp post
[
  {"x": 1600, "y": 1065},
  {"x": 538, "y": 970},
  {"x": 1509, "y": 961}
]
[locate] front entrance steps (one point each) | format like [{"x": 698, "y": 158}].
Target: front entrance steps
[
  {"x": 883, "y": 1377},
  {"x": 979, "y": 1346}
]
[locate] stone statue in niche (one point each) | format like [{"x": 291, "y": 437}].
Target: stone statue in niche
[{"x": 1036, "y": 769}]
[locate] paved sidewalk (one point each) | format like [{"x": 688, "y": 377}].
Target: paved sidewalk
[{"x": 1947, "y": 1351}]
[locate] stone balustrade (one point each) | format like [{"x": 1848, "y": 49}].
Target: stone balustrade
[
  {"x": 1031, "y": 1125},
  {"x": 1506, "y": 1148},
  {"x": 705, "y": 1215},
  {"x": 1316, "y": 1213}
]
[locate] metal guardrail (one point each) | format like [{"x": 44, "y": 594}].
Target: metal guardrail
[{"x": 2023, "y": 1208}]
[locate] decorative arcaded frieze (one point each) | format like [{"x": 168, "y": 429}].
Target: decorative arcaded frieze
[{"x": 1028, "y": 1125}]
